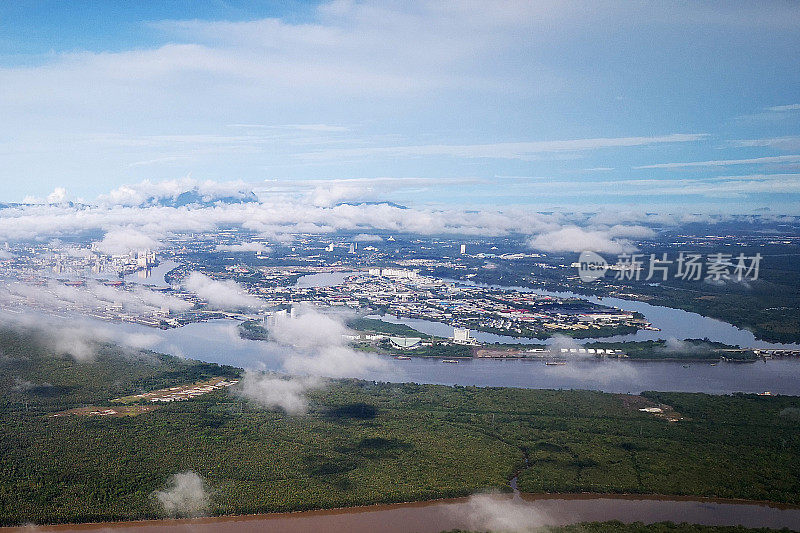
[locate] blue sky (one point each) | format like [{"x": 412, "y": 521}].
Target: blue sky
[{"x": 672, "y": 106}]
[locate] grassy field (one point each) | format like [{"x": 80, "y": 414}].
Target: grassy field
[{"x": 361, "y": 442}]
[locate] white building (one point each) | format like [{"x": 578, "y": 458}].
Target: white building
[
  {"x": 271, "y": 318},
  {"x": 461, "y": 336},
  {"x": 405, "y": 342},
  {"x": 393, "y": 273}
]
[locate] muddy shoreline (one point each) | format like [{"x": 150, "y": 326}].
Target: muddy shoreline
[{"x": 452, "y": 511}]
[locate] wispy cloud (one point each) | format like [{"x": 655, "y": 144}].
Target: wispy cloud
[
  {"x": 225, "y": 294},
  {"x": 772, "y": 114},
  {"x": 325, "y": 128},
  {"x": 782, "y": 108},
  {"x": 511, "y": 150},
  {"x": 275, "y": 392},
  {"x": 788, "y": 143},
  {"x": 727, "y": 162},
  {"x": 185, "y": 495},
  {"x": 575, "y": 239}
]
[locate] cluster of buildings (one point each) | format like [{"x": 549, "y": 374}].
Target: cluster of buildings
[
  {"x": 181, "y": 393},
  {"x": 405, "y": 293},
  {"x": 400, "y": 290},
  {"x": 549, "y": 352}
]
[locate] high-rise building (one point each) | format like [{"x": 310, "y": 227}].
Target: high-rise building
[
  {"x": 463, "y": 249},
  {"x": 461, "y": 335}
]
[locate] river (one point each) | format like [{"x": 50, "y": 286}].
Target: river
[
  {"x": 478, "y": 512},
  {"x": 673, "y": 323},
  {"x": 218, "y": 341},
  {"x": 152, "y": 276}
]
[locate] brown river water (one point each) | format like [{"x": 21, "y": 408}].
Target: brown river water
[{"x": 478, "y": 512}]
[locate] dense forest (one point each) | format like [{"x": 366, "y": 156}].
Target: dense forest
[{"x": 361, "y": 442}]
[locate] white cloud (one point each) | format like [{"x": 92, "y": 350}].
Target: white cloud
[
  {"x": 575, "y": 239},
  {"x": 782, "y": 108},
  {"x": 148, "y": 191},
  {"x": 280, "y": 214},
  {"x": 285, "y": 211},
  {"x": 125, "y": 240},
  {"x": 728, "y": 162},
  {"x": 185, "y": 495},
  {"x": 711, "y": 187},
  {"x": 310, "y": 330},
  {"x": 57, "y": 196},
  {"x": 77, "y": 338},
  {"x": 788, "y": 143},
  {"x": 311, "y": 347},
  {"x": 320, "y": 347},
  {"x": 273, "y": 392},
  {"x": 244, "y": 247},
  {"x": 325, "y": 193},
  {"x": 225, "y": 294},
  {"x": 495, "y": 512},
  {"x": 94, "y": 296},
  {"x": 337, "y": 362},
  {"x": 630, "y": 231},
  {"x": 514, "y": 150},
  {"x": 366, "y": 237}
]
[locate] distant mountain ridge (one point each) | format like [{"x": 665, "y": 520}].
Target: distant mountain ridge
[
  {"x": 195, "y": 197},
  {"x": 390, "y": 204}
]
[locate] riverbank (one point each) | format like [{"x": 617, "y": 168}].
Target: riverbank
[{"x": 551, "y": 510}]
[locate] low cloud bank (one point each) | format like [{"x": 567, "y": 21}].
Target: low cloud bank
[
  {"x": 494, "y": 512},
  {"x": 575, "y": 239},
  {"x": 148, "y": 192},
  {"x": 245, "y": 247},
  {"x": 186, "y": 494},
  {"x": 134, "y": 216},
  {"x": 77, "y": 338},
  {"x": 316, "y": 345},
  {"x": 311, "y": 346},
  {"x": 124, "y": 240},
  {"x": 94, "y": 296},
  {"x": 366, "y": 237},
  {"x": 275, "y": 392},
  {"x": 221, "y": 294},
  {"x": 674, "y": 345}
]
